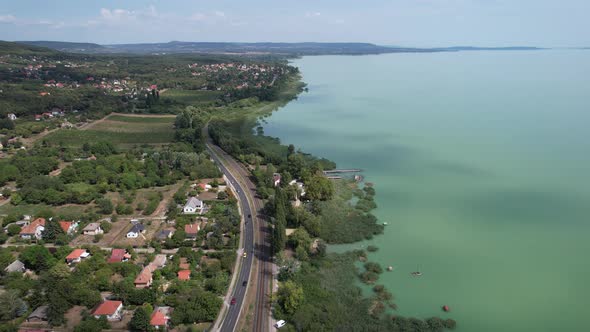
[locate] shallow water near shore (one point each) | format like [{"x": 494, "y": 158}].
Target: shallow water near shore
[{"x": 481, "y": 164}]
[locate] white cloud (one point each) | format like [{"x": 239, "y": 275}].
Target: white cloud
[
  {"x": 7, "y": 19},
  {"x": 219, "y": 13},
  {"x": 312, "y": 14},
  {"x": 117, "y": 15},
  {"x": 198, "y": 17}
]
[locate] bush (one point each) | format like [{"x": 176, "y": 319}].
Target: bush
[
  {"x": 105, "y": 206},
  {"x": 221, "y": 195},
  {"x": 106, "y": 226},
  {"x": 124, "y": 209},
  {"x": 373, "y": 267},
  {"x": 372, "y": 248},
  {"x": 13, "y": 229},
  {"x": 97, "y": 238}
]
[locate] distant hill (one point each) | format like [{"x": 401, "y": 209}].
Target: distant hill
[
  {"x": 475, "y": 48},
  {"x": 21, "y": 49},
  {"x": 65, "y": 46},
  {"x": 285, "y": 49},
  {"x": 272, "y": 48}
]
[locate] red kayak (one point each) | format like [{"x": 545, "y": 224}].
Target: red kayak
[{"x": 446, "y": 308}]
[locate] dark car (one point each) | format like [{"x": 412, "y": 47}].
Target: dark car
[
  {"x": 233, "y": 301},
  {"x": 249, "y": 216},
  {"x": 245, "y": 283}
]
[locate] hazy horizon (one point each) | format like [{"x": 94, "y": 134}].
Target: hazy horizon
[{"x": 423, "y": 23}]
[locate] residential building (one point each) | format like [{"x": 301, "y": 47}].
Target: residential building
[
  {"x": 39, "y": 314},
  {"x": 68, "y": 227},
  {"x": 135, "y": 231},
  {"x": 191, "y": 230},
  {"x": 159, "y": 261},
  {"x": 111, "y": 309},
  {"x": 193, "y": 205},
  {"x": 184, "y": 275},
  {"x": 33, "y": 230},
  {"x": 144, "y": 279},
  {"x": 118, "y": 256},
  {"x": 165, "y": 234},
  {"x": 12, "y": 116},
  {"x": 16, "y": 266},
  {"x": 77, "y": 255},
  {"x": 160, "y": 317},
  {"x": 92, "y": 229}
]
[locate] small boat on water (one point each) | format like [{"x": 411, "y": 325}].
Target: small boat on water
[
  {"x": 385, "y": 224},
  {"x": 446, "y": 308},
  {"x": 417, "y": 273},
  {"x": 390, "y": 268}
]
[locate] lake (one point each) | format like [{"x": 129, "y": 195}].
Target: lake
[{"x": 481, "y": 162}]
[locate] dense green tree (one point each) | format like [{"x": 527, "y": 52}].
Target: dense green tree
[
  {"x": 37, "y": 258},
  {"x": 52, "y": 231},
  {"x": 319, "y": 188},
  {"x": 290, "y": 296},
  {"x": 140, "y": 320},
  {"x": 91, "y": 324},
  {"x": 105, "y": 206},
  {"x": 13, "y": 229},
  {"x": 11, "y": 305}
]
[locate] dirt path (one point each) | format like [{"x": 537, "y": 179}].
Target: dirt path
[
  {"x": 30, "y": 141},
  {"x": 167, "y": 197},
  {"x": 90, "y": 125}
]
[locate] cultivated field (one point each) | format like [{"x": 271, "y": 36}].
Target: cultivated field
[
  {"x": 191, "y": 97},
  {"x": 121, "y": 130}
]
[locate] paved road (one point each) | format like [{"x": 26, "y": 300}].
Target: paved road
[{"x": 239, "y": 292}]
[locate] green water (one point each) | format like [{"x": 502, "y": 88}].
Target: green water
[{"x": 481, "y": 163}]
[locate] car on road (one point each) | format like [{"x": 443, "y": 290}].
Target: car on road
[
  {"x": 280, "y": 324},
  {"x": 233, "y": 301},
  {"x": 249, "y": 216},
  {"x": 244, "y": 255},
  {"x": 245, "y": 283}
]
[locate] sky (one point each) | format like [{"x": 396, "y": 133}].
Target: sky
[{"x": 419, "y": 23}]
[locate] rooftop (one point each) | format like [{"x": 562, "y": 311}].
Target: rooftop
[{"x": 107, "y": 307}]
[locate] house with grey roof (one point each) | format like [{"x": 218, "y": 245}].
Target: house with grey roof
[
  {"x": 193, "y": 205},
  {"x": 39, "y": 314},
  {"x": 16, "y": 266},
  {"x": 135, "y": 231}
]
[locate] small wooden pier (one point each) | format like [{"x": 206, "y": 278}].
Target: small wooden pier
[{"x": 351, "y": 170}]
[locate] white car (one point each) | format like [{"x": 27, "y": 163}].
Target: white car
[{"x": 280, "y": 324}]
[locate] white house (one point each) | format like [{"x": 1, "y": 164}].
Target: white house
[
  {"x": 135, "y": 231},
  {"x": 92, "y": 229},
  {"x": 111, "y": 309},
  {"x": 34, "y": 230},
  {"x": 12, "y": 116},
  {"x": 194, "y": 205},
  {"x": 77, "y": 255}
]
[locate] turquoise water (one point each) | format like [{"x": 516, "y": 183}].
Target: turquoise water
[{"x": 481, "y": 163}]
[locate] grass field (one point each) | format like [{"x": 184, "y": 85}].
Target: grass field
[
  {"x": 192, "y": 97},
  {"x": 120, "y": 130},
  {"x": 33, "y": 209}
]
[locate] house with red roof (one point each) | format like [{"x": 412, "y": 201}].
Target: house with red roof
[
  {"x": 184, "y": 275},
  {"x": 191, "y": 230},
  {"x": 145, "y": 278},
  {"x": 68, "y": 227},
  {"x": 77, "y": 255},
  {"x": 33, "y": 230},
  {"x": 119, "y": 255},
  {"x": 160, "y": 317},
  {"x": 111, "y": 309}
]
